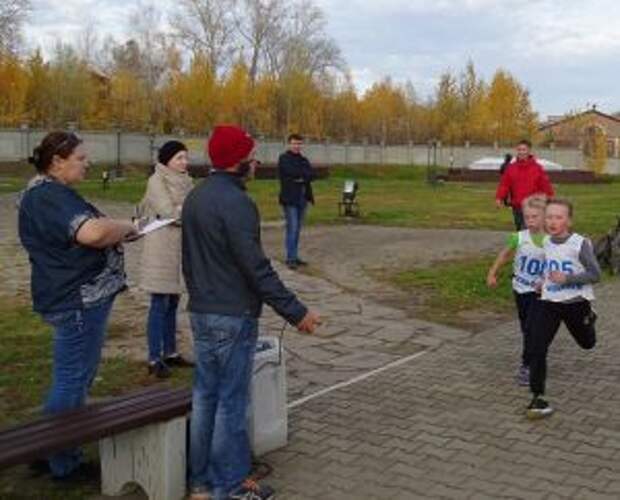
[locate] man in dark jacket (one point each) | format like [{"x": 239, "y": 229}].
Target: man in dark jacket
[
  {"x": 228, "y": 278},
  {"x": 522, "y": 178},
  {"x": 296, "y": 176}
]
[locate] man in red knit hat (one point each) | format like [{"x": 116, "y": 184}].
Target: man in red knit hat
[
  {"x": 522, "y": 178},
  {"x": 228, "y": 279}
]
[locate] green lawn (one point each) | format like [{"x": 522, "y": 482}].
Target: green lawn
[
  {"x": 26, "y": 356},
  {"x": 457, "y": 286},
  {"x": 25, "y": 377},
  {"x": 391, "y": 196},
  {"x": 395, "y": 196}
]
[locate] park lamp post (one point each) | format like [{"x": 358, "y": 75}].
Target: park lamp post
[
  {"x": 431, "y": 162},
  {"x": 25, "y": 131},
  {"x": 118, "y": 172},
  {"x": 348, "y": 205}
]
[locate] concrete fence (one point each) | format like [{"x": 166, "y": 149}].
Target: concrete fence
[{"x": 120, "y": 148}]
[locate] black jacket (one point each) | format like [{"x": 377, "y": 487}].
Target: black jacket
[
  {"x": 296, "y": 175},
  {"x": 225, "y": 268}
]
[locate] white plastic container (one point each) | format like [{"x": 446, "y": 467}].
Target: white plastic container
[{"x": 267, "y": 412}]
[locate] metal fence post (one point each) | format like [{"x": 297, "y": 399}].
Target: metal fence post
[
  {"x": 26, "y": 150},
  {"x": 118, "y": 172}
]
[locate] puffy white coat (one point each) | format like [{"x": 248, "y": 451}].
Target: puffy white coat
[{"x": 161, "y": 256}]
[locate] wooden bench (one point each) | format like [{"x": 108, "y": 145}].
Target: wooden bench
[{"x": 142, "y": 440}]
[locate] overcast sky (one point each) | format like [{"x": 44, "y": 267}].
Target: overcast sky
[{"x": 567, "y": 52}]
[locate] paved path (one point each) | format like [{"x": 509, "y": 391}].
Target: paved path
[
  {"x": 449, "y": 423},
  {"x": 358, "y": 334}
]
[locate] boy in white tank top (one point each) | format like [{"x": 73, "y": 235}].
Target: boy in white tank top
[
  {"x": 525, "y": 249},
  {"x": 570, "y": 270}
]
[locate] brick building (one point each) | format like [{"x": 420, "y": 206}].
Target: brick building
[{"x": 580, "y": 129}]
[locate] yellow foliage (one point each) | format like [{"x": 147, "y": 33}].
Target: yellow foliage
[
  {"x": 384, "y": 112},
  {"x": 596, "y": 149},
  {"x": 235, "y": 99},
  {"x": 129, "y": 107},
  {"x": 464, "y": 107},
  {"x": 265, "y": 106},
  {"x": 509, "y": 110},
  {"x": 192, "y": 99},
  {"x": 13, "y": 88},
  {"x": 302, "y": 105},
  {"x": 343, "y": 115}
]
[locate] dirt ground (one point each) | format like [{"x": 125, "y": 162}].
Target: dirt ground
[
  {"x": 357, "y": 258},
  {"x": 351, "y": 257}
]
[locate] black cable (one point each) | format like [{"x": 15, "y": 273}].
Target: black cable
[
  {"x": 260, "y": 470},
  {"x": 281, "y": 348},
  {"x": 280, "y": 353}
]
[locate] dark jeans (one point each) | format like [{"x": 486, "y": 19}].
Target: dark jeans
[
  {"x": 161, "y": 328},
  {"x": 294, "y": 217},
  {"x": 220, "y": 457},
  {"x": 517, "y": 215},
  {"x": 578, "y": 318},
  {"x": 78, "y": 340},
  {"x": 527, "y": 306}
]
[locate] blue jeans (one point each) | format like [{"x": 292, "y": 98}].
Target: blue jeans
[
  {"x": 294, "y": 217},
  {"x": 161, "y": 328},
  {"x": 220, "y": 456},
  {"x": 78, "y": 340}
]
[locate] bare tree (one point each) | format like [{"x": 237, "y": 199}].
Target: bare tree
[
  {"x": 207, "y": 27},
  {"x": 88, "y": 42},
  {"x": 145, "y": 28},
  {"x": 303, "y": 44},
  {"x": 127, "y": 57},
  {"x": 258, "y": 21},
  {"x": 12, "y": 15}
]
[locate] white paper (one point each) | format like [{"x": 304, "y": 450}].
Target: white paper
[{"x": 155, "y": 225}]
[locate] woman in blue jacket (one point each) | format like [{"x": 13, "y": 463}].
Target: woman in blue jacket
[{"x": 77, "y": 270}]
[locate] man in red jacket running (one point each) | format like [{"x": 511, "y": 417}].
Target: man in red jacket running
[{"x": 521, "y": 179}]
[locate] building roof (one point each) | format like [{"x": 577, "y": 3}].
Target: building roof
[{"x": 555, "y": 120}]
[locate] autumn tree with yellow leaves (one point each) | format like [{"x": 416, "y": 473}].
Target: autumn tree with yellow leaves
[
  {"x": 13, "y": 89},
  {"x": 268, "y": 65}
]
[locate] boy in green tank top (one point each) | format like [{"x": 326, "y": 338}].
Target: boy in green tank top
[{"x": 525, "y": 250}]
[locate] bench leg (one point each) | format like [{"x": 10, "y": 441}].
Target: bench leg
[{"x": 153, "y": 457}]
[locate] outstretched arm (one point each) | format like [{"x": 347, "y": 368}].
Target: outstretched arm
[
  {"x": 505, "y": 255},
  {"x": 503, "y": 188},
  {"x": 104, "y": 232}
]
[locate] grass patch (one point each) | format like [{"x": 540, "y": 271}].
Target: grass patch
[
  {"x": 26, "y": 357},
  {"x": 393, "y": 196},
  {"x": 458, "y": 286},
  {"x": 11, "y": 184},
  {"x": 400, "y": 196},
  {"x": 18, "y": 483}
]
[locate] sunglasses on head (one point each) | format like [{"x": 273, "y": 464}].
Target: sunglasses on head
[{"x": 71, "y": 138}]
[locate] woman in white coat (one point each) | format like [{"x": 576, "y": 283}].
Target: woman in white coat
[{"x": 161, "y": 258}]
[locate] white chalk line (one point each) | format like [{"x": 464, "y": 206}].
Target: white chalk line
[{"x": 355, "y": 380}]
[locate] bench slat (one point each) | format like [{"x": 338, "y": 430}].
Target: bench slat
[
  {"x": 91, "y": 423},
  {"x": 121, "y": 403},
  {"x": 91, "y": 418}
]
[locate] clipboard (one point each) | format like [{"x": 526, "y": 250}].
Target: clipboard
[{"x": 155, "y": 225}]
